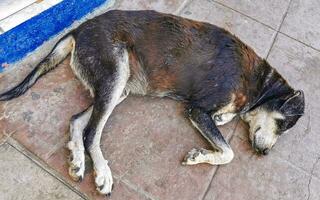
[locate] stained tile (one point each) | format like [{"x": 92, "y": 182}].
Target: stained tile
[{"x": 256, "y": 35}]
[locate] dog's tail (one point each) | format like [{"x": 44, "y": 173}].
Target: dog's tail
[{"x": 57, "y": 55}]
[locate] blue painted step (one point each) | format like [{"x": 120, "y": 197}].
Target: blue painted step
[{"x": 26, "y": 37}]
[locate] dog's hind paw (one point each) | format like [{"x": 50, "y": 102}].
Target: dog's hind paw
[
  {"x": 103, "y": 179},
  {"x": 76, "y": 162}
]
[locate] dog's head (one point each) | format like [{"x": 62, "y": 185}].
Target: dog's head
[{"x": 269, "y": 120}]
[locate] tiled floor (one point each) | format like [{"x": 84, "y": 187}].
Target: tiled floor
[{"x": 146, "y": 139}]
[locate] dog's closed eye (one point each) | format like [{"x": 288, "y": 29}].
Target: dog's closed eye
[{"x": 257, "y": 129}]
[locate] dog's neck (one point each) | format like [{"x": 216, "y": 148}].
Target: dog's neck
[{"x": 267, "y": 84}]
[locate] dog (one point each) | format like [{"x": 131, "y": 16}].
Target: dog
[{"x": 211, "y": 71}]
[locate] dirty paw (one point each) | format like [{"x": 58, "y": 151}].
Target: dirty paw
[
  {"x": 196, "y": 156},
  {"x": 76, "y": 162},
  {"x": 103, "y": 179}
]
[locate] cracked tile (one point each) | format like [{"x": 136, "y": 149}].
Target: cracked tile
[{"x": 313, "y": 188}]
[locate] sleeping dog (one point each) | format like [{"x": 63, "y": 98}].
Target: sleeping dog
[{"x": 211, "y": 71}]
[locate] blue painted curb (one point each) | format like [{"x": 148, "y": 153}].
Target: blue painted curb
[{"x": 26, "y": 37}]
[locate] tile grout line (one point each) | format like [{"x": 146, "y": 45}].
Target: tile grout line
[
  {"x": 241, "y": 13},
  {"x": 215, "y": 172},
  {"x": 44, "y": 166},
  {"x": 208, "y": 187},
  {"x": 278, "y": 30},
  {"x": 318, "y": 50},
  {"x": 303, "y": 43}
]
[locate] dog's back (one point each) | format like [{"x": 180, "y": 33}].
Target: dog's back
[{"x": 175, "y": 57}]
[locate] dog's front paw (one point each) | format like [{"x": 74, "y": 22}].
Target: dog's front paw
[
  {"x": 76, "y": 162},
  {"x": 196, "y": 156},
  {"x": 103, "y": 179}
]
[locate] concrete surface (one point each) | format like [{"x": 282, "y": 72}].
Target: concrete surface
[
  {"x": 146, "y": 138},
  {"x": 20, "y": 178}
]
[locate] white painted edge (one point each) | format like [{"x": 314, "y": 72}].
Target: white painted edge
[
  {"x": 9, "y": 7},
  {"x": 25, "y": 14}
]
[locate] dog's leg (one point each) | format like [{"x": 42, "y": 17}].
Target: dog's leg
[
  {"x": 75, "y": 145},
  {"x": 107, "y": 96},
  {"x": 222, "y": 153}
]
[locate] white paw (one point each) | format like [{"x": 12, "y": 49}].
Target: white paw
[
  {"x": 196, "y": 156},
  {"x": 103, "y": 179},
  {"x": 76, "y": 162}
]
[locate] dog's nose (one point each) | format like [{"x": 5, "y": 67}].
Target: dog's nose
[
  {"x": 262, "y": 151},
  {"x": 265, "y": 151}
]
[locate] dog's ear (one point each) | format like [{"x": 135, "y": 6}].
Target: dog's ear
[
  {"x": 292, "y": 109},
  {"x": 294, "y": 105}
]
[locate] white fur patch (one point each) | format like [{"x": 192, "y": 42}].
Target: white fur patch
[{"x": 75, "y": 145}]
